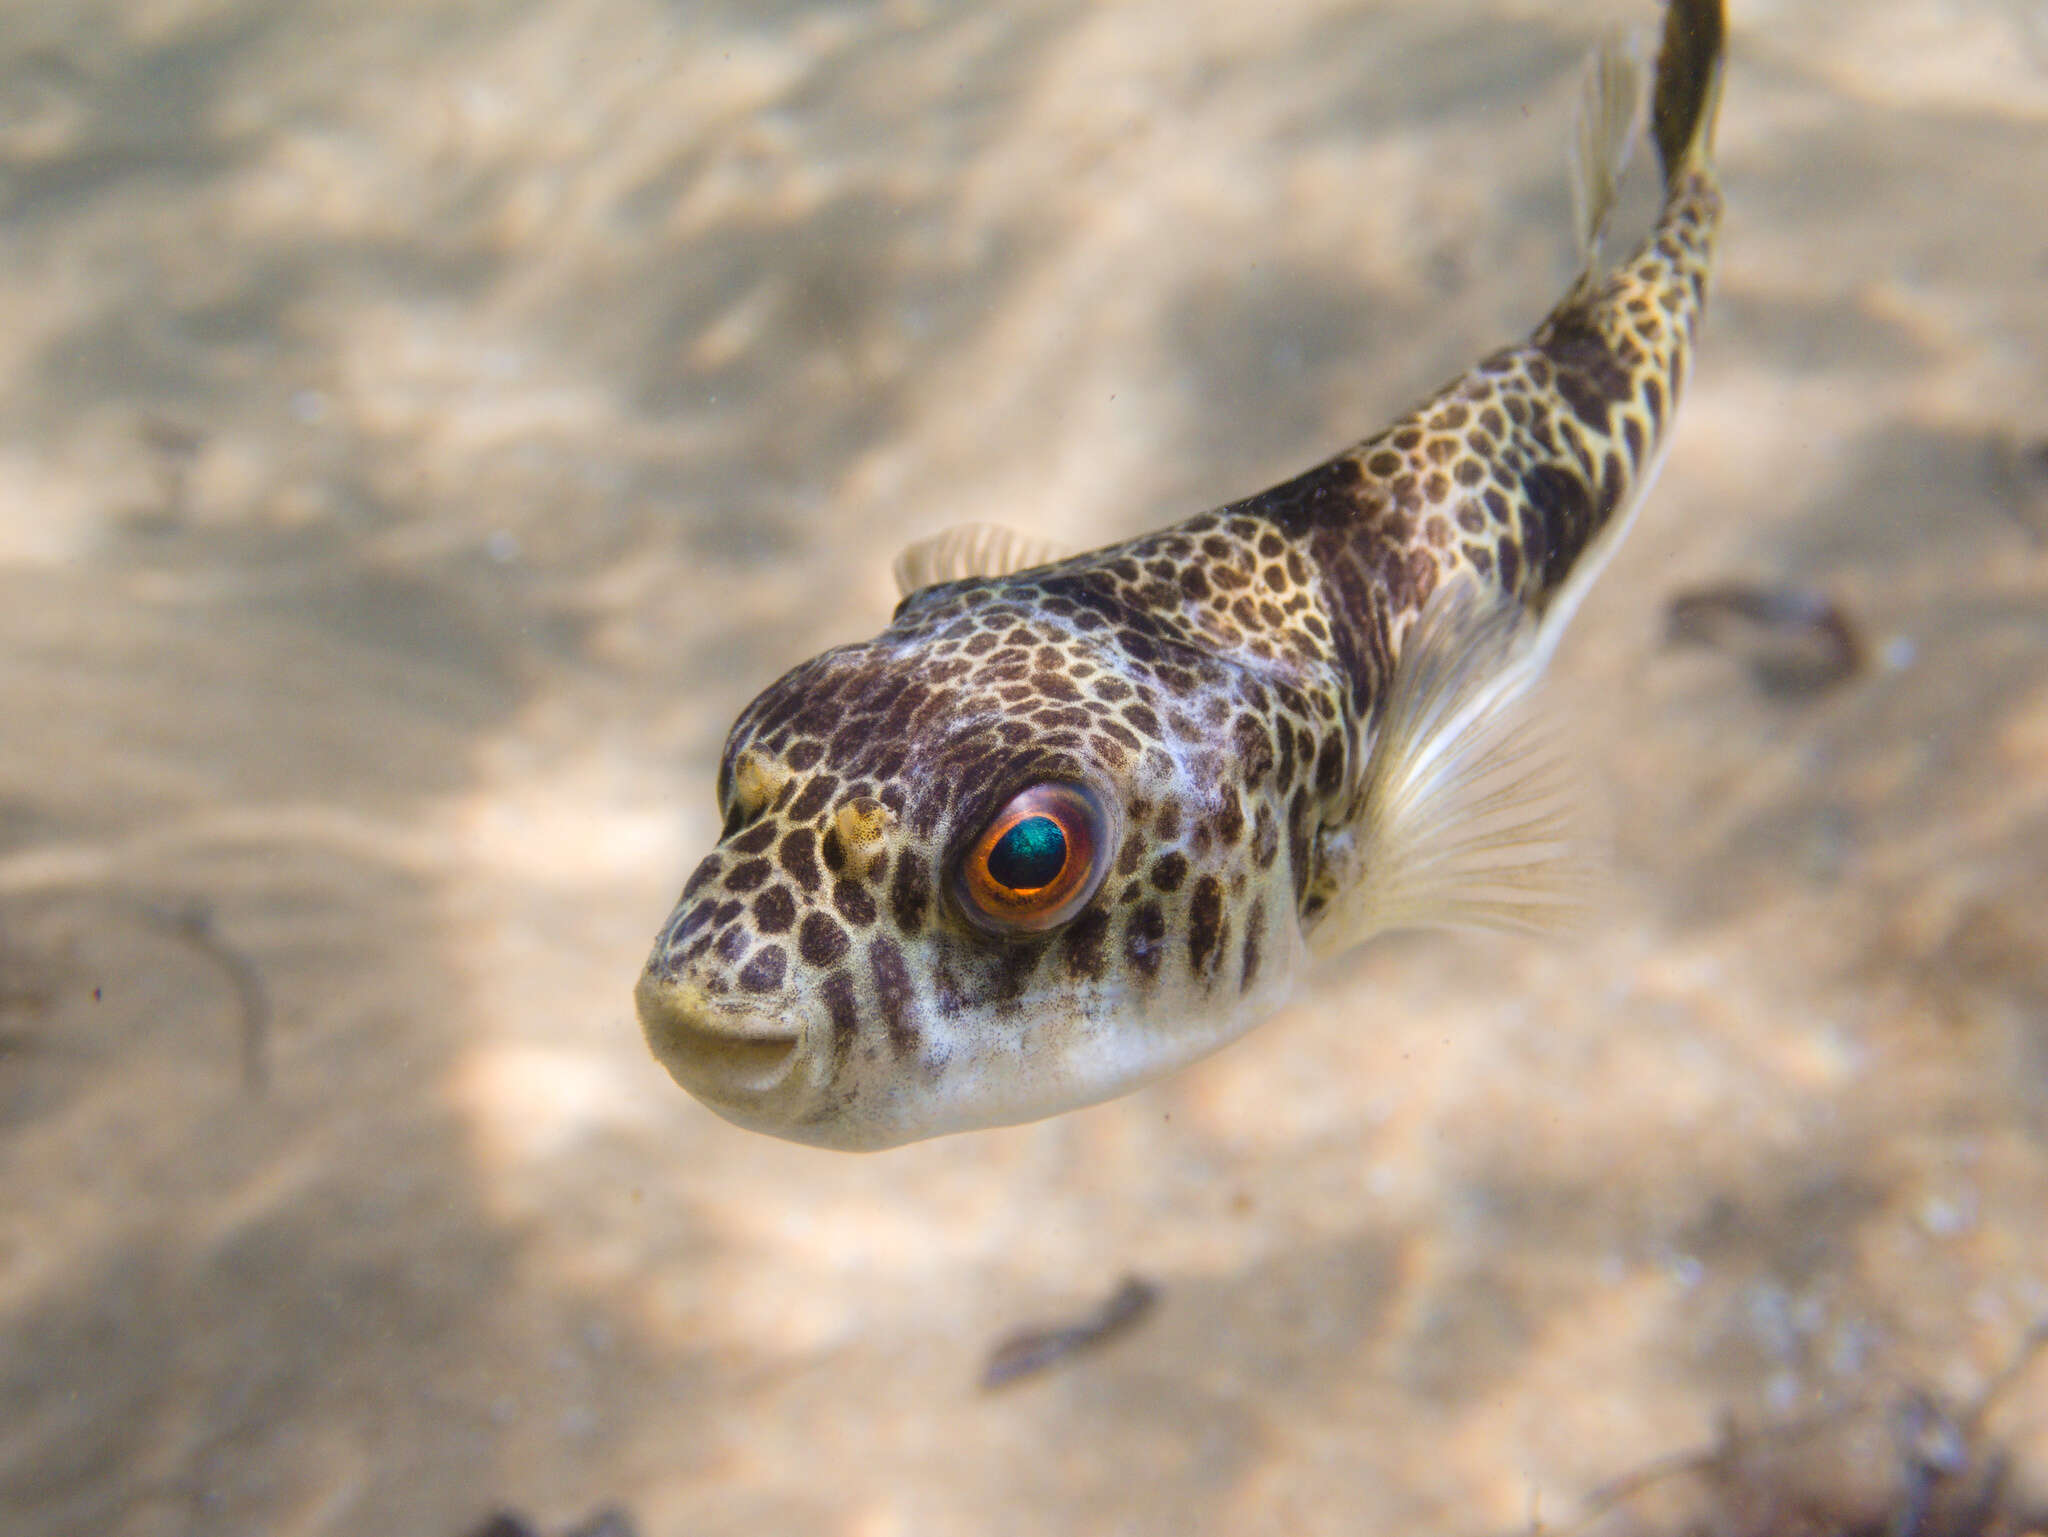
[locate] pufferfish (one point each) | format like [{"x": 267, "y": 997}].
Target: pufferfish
[{"x": 1068, "y": 824}]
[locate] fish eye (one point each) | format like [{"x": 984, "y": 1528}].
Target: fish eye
[{"x": 1037, "y": 862}]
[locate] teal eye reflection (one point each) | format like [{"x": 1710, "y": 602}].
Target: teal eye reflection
[
  {"x": 1037, "y": 861},
  {"x": 1031, "y": 854}
]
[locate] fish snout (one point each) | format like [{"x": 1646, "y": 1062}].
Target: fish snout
[{"x": 732, "y": 1058}]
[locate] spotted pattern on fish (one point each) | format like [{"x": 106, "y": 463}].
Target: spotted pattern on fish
[{"x": 1222, "y": 683}]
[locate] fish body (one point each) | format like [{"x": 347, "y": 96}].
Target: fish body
[{"x": 1068, "y": 824}]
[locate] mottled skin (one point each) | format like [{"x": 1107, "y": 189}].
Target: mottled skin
[{"x": 1219, "y": 682}]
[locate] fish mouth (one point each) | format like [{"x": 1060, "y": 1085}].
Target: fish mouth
[{"x": 727, "y": 1057}]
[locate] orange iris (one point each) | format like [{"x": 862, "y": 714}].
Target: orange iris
[{"x": 1037, "y": 862}]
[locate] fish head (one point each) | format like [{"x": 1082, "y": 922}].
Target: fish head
[{"x": 1006, "y": 859}]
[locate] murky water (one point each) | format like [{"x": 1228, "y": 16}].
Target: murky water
[{"x": 423, "y": 425}]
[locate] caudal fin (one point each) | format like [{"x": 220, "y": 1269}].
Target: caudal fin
[{"x": 1688, "y": 85}]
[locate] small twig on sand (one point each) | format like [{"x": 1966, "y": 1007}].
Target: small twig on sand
[
  {"x": 192, "y": 922},
  {"x": 1034, "y": 1350}
]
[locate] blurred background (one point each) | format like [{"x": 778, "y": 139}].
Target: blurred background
[{"x": 424, "y": 425}]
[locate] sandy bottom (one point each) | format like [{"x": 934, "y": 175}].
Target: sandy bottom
[{"x": 424, "y": 425}]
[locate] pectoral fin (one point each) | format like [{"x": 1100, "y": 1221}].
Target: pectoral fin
[{"x": 1466, "y": 818}]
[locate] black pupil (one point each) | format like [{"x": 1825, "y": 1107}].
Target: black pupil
[{"x": 1029, "y": 855}]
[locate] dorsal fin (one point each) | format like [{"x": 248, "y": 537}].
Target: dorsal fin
[
  {"x": 1466, "y": 818},
  {"x": 971, "y": 550},
  {"x": 1608, "y": 114}
]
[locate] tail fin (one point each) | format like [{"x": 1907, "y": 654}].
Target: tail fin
[{"x": 1688, "y": 85}]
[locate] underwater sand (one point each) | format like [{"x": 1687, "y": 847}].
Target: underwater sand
[{"x": 423, "y": 426}]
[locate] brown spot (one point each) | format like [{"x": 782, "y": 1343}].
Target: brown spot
[
  {"x": 910, "y": 893},
  {"x": 1229, "y": 821},
  {"x": 1557, "y": 519},
  {"x": 1613, "y": 480},
  {"x": 1330, "y": 766},
  {"x": 1254, "y": 925},
  {"x": 1253, "y": 748},
  {"x": 1169, "y": 870},
  {"x": 1119, "y": 734},
  {"x": 774, "y": 910},
  {"x": 799, "y": 857},
  {"x": 1265, "y": 838},
  {"x": 894, "y": 994},
  {"x": 1422, "y": 575},
  {"x": 754, "y": 840},
  {"x": 745, "y": 877},
  {"x": 705, "y": 873},
  {"x": 1083, "y": 942},
  {"x": 763, "y": 974},
  {"x": 820, "y": 941},
  {"x": 844, "y": 1009},
  {"x": 1055, "y": 686},
  {"x": 1145, "y": 938},
  {"x": 853, "y": 903},
  {"x": 1205, "y": 924},
  {"x": 1510, "y": 565},
  {"x": 1299, "y": 814},
  {"x": 1110, "y": 752},
  {"x": 814, "y": 798}
]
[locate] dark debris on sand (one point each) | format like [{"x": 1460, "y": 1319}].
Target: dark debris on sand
[
  {"x": 609, "y": 1522},
  {"x": 1911, "y": 1468},
  {"x": 1795, "y": 641}
]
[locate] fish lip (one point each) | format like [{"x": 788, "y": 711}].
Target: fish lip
[{"x": 725, "y": 1055}]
